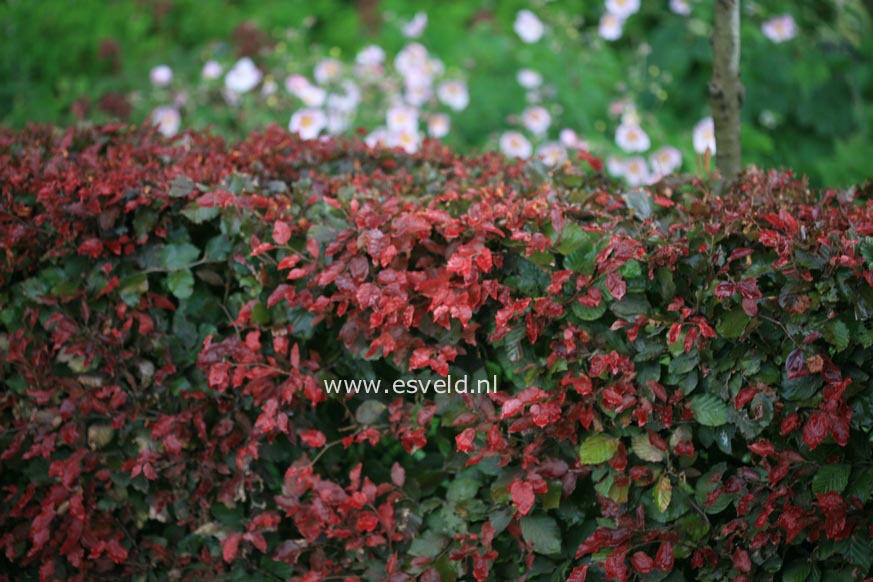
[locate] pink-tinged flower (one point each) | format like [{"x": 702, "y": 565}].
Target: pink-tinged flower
[
  {"x": 295, "y": 84},
  {"x": 536, "y": 119},
  {"x": 610, "y": 27},
  {"x": 665, "y": 160},
  {"x": 615, "y": 166},
  {"x": 780, "y": 28},
  {"x": 515, "y": 145},
  {"x": 308, "y": 123},
  {"x": 416, "y": 26},
  {"x": 636, "y": 171},
  {"x": 161, "y": 76},
  {"x": 377, "y": 138},
  {"x": 438, "y": 125},
  {"x": 528, "y": 27},
  {"x": 243, "y": 77},
  {"x": 370, "y": 59},
  {"x": 167, "y": 119},
  {"x": 269, "y": 88},
  {"x": 401, "y": 119},
  {"x": 413, "y": 58},
  {"x": 327, "y": 70},
  {"x": 337, "y": 121},
  {"x": 623, "y": 8},
  {"x": 313, "y": 96},
  {"x": 529, "y": 79},
  {"x": 211, "y": 70},
  {"x": 568, "y": 137},
  {"x": 631, "y": 138},
  {"x": 704, "y": 136},
  {"x": 552, "y": 153},
  {"x": 417, "y": 94},
  {"x": 407, "y": 140},
  {"x": 454, "y": 94},
  {"x": 681, "y": 7}
]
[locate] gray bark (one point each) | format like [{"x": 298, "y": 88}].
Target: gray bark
[{"x": 725, "y": 89}]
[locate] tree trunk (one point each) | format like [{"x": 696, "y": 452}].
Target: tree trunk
[{"x": 725, "y": 89}]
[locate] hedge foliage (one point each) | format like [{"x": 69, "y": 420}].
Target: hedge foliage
[{"x": 684, "y": 387}]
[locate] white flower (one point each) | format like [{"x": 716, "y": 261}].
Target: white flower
[
  {"x": 411, "y": 59},
  {"x": 417, "y": 94},
  {"x": 636, "y": 171},
  {"x": 631, "y": 138},
  {"x": 243, "y": 77},
  {"x": 295, "y": 84},
  {"x": 552, "y": 153},
  {"x": 416, "y": 26},
  {"x": 438, "y": 125},
  {"x": 610, "y": 27},
  {"x": 337, "y": 121},
  {"x": 167, "y": 119},
  {"x": 623, "y": 8},
  {"x": 344, "y": 104},
  {"x": 454, "y": 94},
  {"x": 308, "y": 123},
  {"x": 704, "y": 136},
  {"x": 780, "y": 28},
  {"x": 665, "y": 160},
  {"x": 370, "y": 56},
  {"x": 515, "y": 145},
  {"x": 327, "y": 70},
  {"x": 568, "y": 137},
  {"x": 377, "y": 137},
  {"x": 161, "y": 76},
  {"x": 404, "y": 139},
  {"x": 680, "y": 7},
  {"x": 211, "y": 70},
  {"x": 312, "y": 96},
  {"x": 269, "y": 88},
  {"x": 615, "y": 166},
  {"x": 528, "y": 27},
  {"x": 536, "y": 119},
  {"x": 529, "y": 79},
  {"x": 402, "y": 119}
]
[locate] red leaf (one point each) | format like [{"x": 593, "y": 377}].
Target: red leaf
[
  {"x": 281, "y": 232},
  {"x": 464, "y": 441},
  {"x": 398, "y": 474},
  {"x": 741, "y": 560},
  {"x": 91, "y": 247},
  {"x": 510, "y": 408},
  {"x": 578, "y": 574},
  {"x": 815, "y": 430},
  {"x": 522, "y": 495},
  {"x": 230, "y": 546},
  {"x": 642, "y": 563},
  {"x": 616, "y": 285},
  {"x": 367, "y": 521},
  {"x": 313, "y": 438},
  {"x": 664, "y": 558},
  {"x": 763, "y": 447}
]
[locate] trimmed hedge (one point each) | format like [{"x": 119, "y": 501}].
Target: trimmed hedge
[{"x": 684, "y": 387}]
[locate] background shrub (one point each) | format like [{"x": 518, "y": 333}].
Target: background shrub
[{"x": 684, "y": 379}]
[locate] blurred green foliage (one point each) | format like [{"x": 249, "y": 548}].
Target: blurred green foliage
[{"x": 808, "y": 106}]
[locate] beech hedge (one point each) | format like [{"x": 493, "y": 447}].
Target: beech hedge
[{"x": 683, "y": 379}]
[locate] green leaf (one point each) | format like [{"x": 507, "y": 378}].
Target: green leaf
[
  {"x": 178, "y": 256},
  {"x": 859, "y": 552},
  {"x": 831, "y": 478},
  {"x": 640, "y": 201},
  {"x": 132, "y": 287},
  {"x": 369, "y": 411},
  {"x": 732, "y": 324},
  {"x": 572, "y": 238},
  {"x": 429, "y": 544},
  {"x": 181, "y": 283},
  {"x": 597, "y": 448},
  {"x": 541, "y": 532},
  {"x": 200, "y": 214},
  {"x": 709, "y": 410},
  {"x": 462, "y": 489},
  {"x": 644, "y": 449},
  {"x": 796, "y": 572},
  {"x": 589, "y": 313},
  {"x": 181, "y": 186},
  {"x": 837, "y": 334},
  {"x": 663, "y": 493}
]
